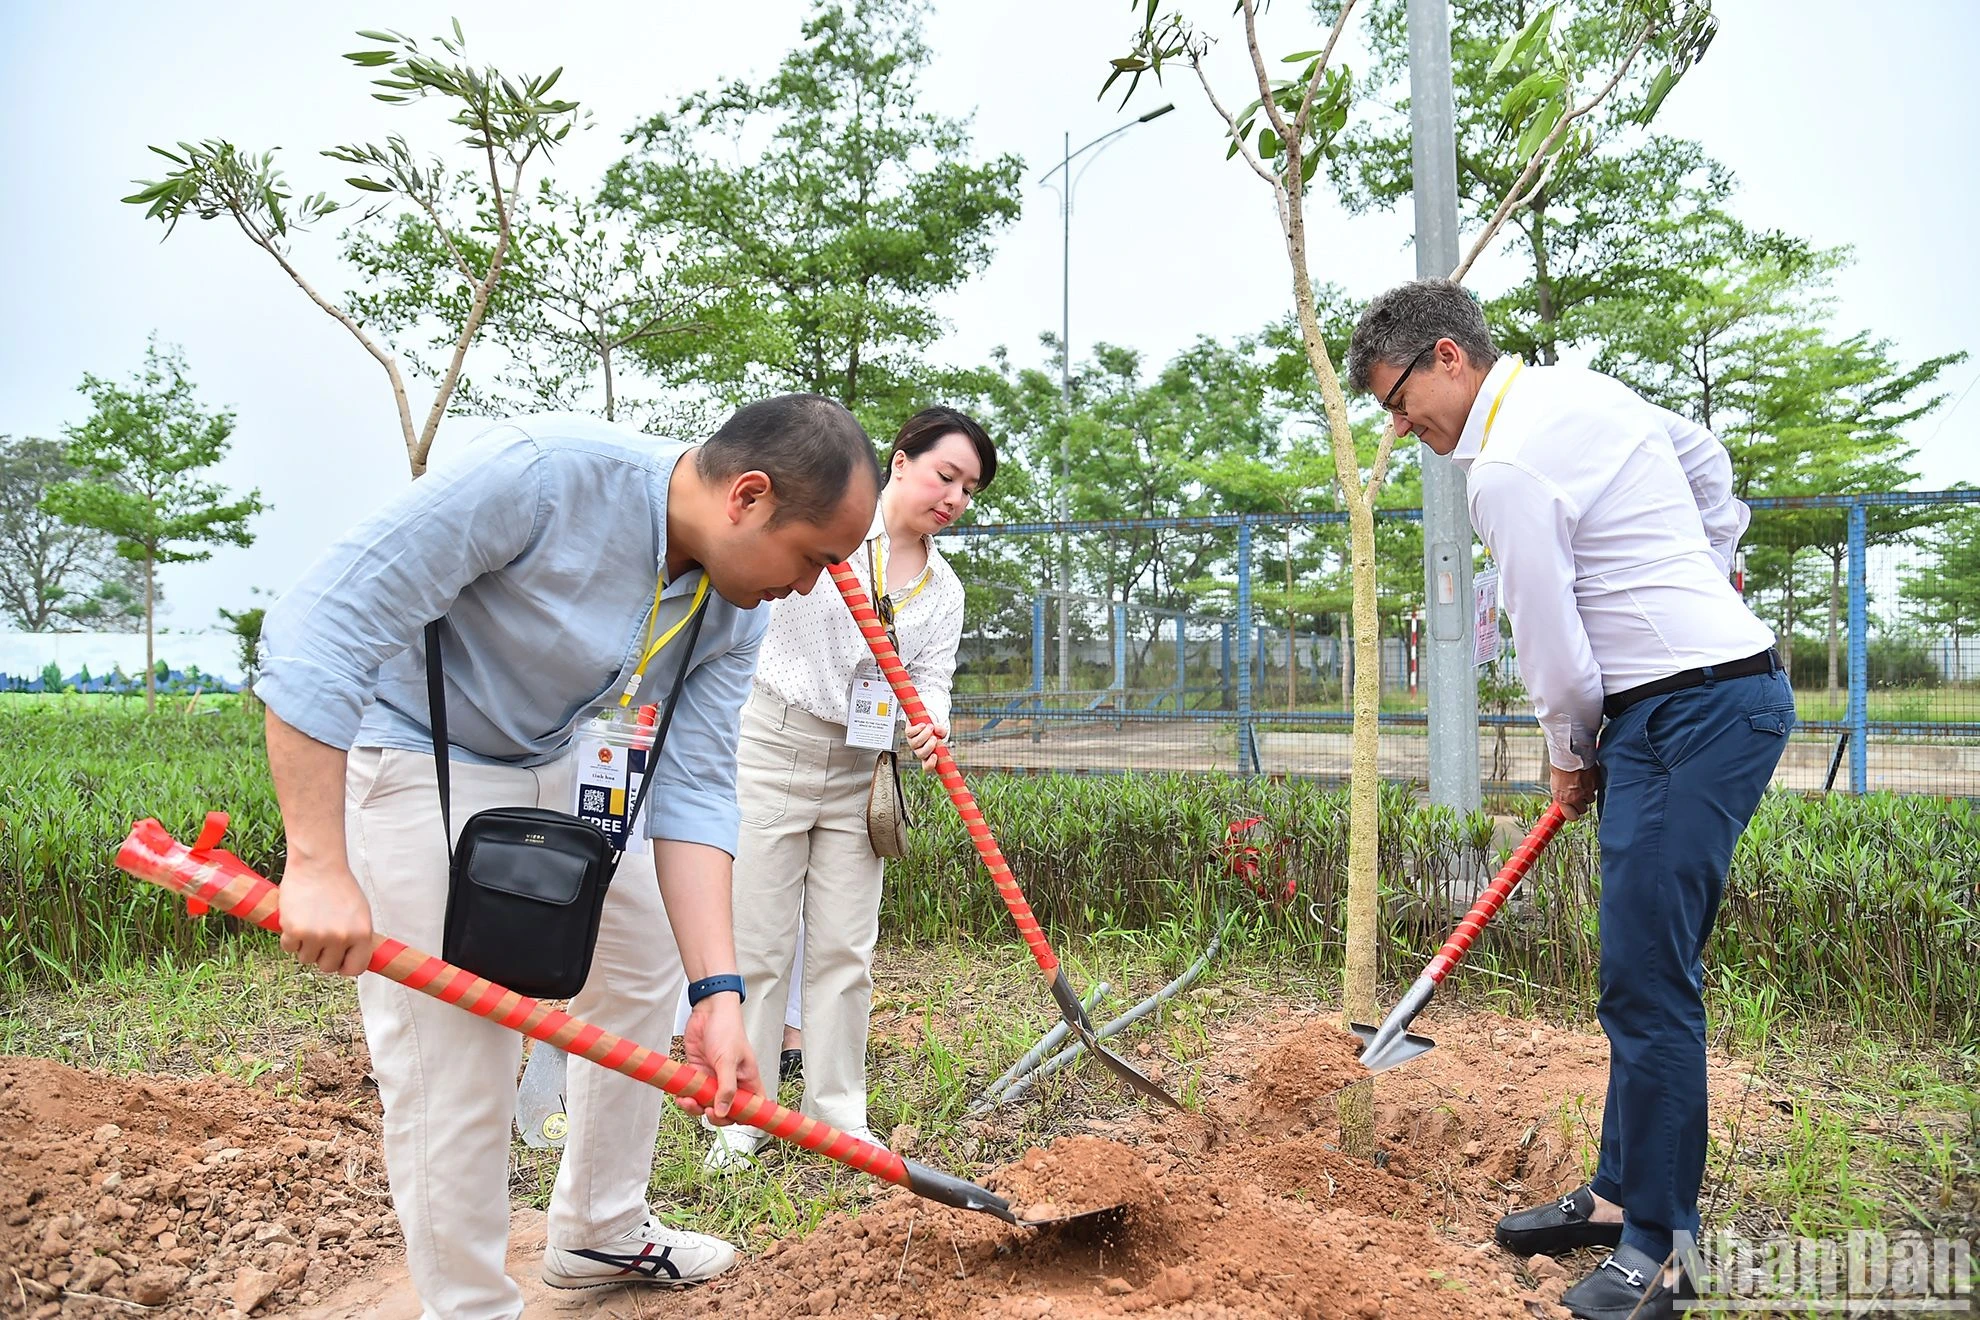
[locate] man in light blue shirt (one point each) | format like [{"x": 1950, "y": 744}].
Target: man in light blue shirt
[{"x": 541, "y": 552}]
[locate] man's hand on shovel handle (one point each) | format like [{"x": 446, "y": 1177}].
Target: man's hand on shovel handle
[
  {"x": 1575, "y": 790},
  {"x": 325, "y": 919},
  {"x": 716, "y": 1043}
]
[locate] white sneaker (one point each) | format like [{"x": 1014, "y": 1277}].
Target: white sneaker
[
  {"x": 651, "y": 1253},
  {"x": 734, "y": 1148}
]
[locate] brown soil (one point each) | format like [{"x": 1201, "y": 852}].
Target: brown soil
[
  {"x": 193, "y": 1196},
  {"x": 200, "y": 1197}
]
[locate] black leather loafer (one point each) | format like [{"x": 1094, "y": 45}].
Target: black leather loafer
[
  {"x": 1628, "y": 1286},
  {"x": 790, "y": 1065},
  {"x": 1557, "y": 1227}
]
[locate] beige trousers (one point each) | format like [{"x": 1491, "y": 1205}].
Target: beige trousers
[
  {"x": 804, "y": 855},
  {"x": 448, "y": 1078}
]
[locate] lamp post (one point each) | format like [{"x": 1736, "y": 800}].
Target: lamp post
[{"x": 1064, "y": 187}]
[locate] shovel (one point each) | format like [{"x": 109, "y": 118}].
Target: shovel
[
  {"x": 1392, "y": 1043},
  {"x": 1073, "y": 1011},
  {"x": 207, "y": 876}
]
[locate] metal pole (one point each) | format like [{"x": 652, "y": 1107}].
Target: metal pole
[
  {"x": 1859, "y": 650},
  {"x": 1244, "y": 640},
  {"x": 1447, "y": 652},
  {"x": 1065, "y": 436},
  {"x": 1065, "y": 185}
]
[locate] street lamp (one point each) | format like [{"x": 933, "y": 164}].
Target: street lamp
[{"x": 1064, "y": 187}]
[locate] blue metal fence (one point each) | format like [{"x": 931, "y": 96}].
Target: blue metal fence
[{"x": 1190, "y": 697}]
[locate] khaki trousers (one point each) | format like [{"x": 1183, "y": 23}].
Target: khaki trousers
[
  {"x": 448, "y": 1079},
  {"x": 804, "y": 854}
]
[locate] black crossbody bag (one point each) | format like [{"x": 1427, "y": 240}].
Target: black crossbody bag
[{"x": 526, "y": 885}]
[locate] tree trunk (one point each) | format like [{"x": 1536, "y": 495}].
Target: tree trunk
[
  {"x": 150, "y": 659},
  {"x": 1357, "y": 1103},
  {"x": 1835, "y": 611},
  {"x": 1546, "y": 315},
  {"x": 605, "y": 360}
]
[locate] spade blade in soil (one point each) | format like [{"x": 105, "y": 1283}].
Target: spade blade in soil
[
  {"x": 1400, "y": 1048},
  {"x": 1096, "y": 1218}
]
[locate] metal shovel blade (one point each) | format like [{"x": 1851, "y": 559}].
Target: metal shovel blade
[
  {"x": 1099, "y": 1218},
  {"x": 540, "y": 1114},
  {"x": 1074, "y": 1013},
  {"x": 1379, "y": 1055}
]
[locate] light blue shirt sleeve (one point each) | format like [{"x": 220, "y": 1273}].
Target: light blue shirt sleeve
[
  {"x": 370, "y": 595},
  {"x": 694, "y": 789}
]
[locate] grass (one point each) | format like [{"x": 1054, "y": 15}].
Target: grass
[{"x": 1875, "y": 1133}]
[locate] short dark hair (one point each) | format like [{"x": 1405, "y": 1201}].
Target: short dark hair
[
  {"x": 923, "y": 431},
  {"x": 1409, "y": 318},
  {"x": 809, "y": 446}
]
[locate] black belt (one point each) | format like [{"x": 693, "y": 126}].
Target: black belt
[{"x": 1766, "y": 662}]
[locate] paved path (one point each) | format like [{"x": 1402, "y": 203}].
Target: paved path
[{"x": 1942, "y": 766}]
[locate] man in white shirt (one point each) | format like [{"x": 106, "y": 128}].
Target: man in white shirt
[{"x": 1663, "y": 704}]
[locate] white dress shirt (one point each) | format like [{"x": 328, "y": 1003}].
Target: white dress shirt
[
  {"x": 813, "y": 646},
  {"x": 1614, "y": 525}
]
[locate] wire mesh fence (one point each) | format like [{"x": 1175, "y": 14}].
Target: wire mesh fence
[{"x": 1220, "y": 644}]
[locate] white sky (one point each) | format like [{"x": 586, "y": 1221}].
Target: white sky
[{"x": 1843, "y": 123}]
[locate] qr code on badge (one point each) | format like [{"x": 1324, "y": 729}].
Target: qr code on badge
[
  {"x": 863, "y": 706},
  {"x": 592, "y": 801}
]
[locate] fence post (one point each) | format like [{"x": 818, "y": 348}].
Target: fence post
[
  {"x": 1859, "y": 650},
  {"x": 1244, "y": 635},
  {"x": 1224, "y": 663},
  {"x": 1038, "y": 664},
  {"x": 1182, "y": 659},
  {"x": 1120, "y": 647}
]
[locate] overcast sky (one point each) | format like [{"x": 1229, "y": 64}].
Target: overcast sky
[{"x": 1843, "y": 123}]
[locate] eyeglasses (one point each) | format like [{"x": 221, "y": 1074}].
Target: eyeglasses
[{"x": 1389, "y": 399}]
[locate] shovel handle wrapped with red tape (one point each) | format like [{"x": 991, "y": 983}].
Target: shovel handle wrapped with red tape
[
  {"x": 209, "y": 877},
  {"x": 1497, "y": 892},
  {"x": 946, "y": 769}
]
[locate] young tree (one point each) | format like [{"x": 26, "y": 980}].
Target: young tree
[
  {"x": 1283, "y": 136},
  {"x": 245, "y": 624},
  {"x": 141, "y": 453},
  {"x": 508, "y": 123},
  {"x": 585, "y": 301},
  {"x": 55, "y": 575},
  {"x": 860, "y": 210}
]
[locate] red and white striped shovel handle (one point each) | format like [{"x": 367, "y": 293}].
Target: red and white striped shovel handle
[
  {"x": 875, "y": 633},
  {"x": 1497, "y": 892},
  {"x": 217, "y": 879}
]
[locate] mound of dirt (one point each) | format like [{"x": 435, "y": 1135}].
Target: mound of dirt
[
  {"x": 1298, "y": 1075},
  {"x": 1077, "y": 1176},
  {"x": 198, "y": 1197}
]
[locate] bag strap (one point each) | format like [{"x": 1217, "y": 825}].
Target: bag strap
[
  {"x": 436, "y": 720},
  {"x": 436, "y": 713},
  {"x": 666, "y": 720}
]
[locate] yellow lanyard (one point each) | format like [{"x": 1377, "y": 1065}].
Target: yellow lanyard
[
  {"x": 880, "y": 575},
  {"x": 654, "y": 648},
  {"x": 1498, "y": 399}
]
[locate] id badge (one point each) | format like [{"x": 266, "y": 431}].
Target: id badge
[
  {"x": 870, "y": 710},
  {"x": 610, "y": 764}
]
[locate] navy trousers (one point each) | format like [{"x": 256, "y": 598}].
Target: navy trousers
[{"x": 1682, "y": 775}]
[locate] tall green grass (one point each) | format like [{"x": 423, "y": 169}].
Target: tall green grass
[
  {"x": 1865, "y": 910},
  {"x": 1860, "y": 910},
  {"x": 73, "y": 778}
]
